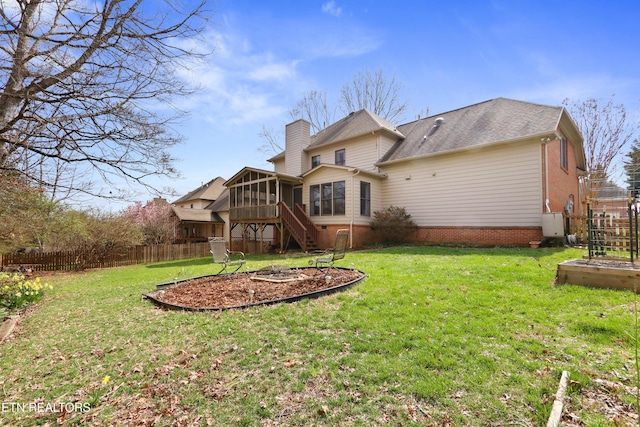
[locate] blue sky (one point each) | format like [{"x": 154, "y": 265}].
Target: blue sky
[{"x": 446, "y": 55}]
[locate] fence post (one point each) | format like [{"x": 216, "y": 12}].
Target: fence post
[
  {"x": 631, "y": 232},
  {"x": 589, "y": 240}
]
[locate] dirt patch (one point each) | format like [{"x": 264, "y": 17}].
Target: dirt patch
[{"x": 244, "y": 289}]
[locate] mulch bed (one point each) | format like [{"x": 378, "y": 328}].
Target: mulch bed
[{"x": 244, "y": 289}]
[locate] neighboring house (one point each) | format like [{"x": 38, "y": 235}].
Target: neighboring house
[
  {"x": 480, "y": 175},
  {"x": 197, "y": 212},
  {"x": 611, "y": 199}
]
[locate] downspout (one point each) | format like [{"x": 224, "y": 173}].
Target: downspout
[
  {"x": 353, "y": 207},
  {"x": 546, "y": 176},
  {"x": 547, "y": 141}
]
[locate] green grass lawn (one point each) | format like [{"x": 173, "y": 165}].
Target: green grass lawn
[{"x": 434, "y": 336}]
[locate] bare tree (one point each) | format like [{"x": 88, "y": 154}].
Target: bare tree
[
  {"x": 606, "y": 129},
  {"x": 313, "y": 107},
  {"x": 86, "y": 89},
  {"x": 376, "y": 92},
  {"x": 272, "y": 140}
]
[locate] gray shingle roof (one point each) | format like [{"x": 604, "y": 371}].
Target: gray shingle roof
[
  {"x": 355, "y": 124},
  {"x": 209, "y": 191},
  {"x": 222, "y": 202},
  {"x": 488, "y": 122},
  {"x": 196, "y": 215},
  {"x": 610, "y": 190}
]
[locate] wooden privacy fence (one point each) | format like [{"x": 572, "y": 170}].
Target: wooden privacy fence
[
  {"x": 79, "y": 260},
  {"x": 610, "y": 233}
]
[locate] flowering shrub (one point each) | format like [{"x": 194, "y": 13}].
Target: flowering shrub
[{"x": 16, "y": 291}]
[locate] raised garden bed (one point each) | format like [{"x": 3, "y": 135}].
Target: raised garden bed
[
  {"x": 267, "y": 286},
  {"x": 600, "y": 273}
]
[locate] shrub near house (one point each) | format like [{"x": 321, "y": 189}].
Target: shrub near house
[{"x": 392, "y": 225}]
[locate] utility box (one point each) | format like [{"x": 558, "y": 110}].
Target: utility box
[{"x": 552, "y": 224}]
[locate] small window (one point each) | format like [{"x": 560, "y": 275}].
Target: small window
[
  {"x": 365, "y": 198},
  {"x": 314, "y": 200},
  {"x": 563, "y": 154},
  {"x": 340, "y": 157},
  {"x": 338, "y": 198},
  {"x": 315, "y": 161}
]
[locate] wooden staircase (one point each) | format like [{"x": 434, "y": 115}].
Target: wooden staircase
[{"x": 300, "y": 226}]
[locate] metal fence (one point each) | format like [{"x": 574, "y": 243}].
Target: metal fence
[{"x": 79, "y": 260}]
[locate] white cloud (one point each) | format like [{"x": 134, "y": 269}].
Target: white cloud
[
  {"x": 331, "y": 8},
  {"x": 239, "y": 84}
]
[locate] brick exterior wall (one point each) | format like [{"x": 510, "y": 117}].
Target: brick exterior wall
[
  {"x": 479, "y": 236},
  {"x": 562, "y": 182},
  {"x": 467, "y": 236}
]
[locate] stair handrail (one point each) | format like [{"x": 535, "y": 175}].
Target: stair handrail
[
  {"x": 298, "y": 230},
  {"x": 302, "y": 215}
]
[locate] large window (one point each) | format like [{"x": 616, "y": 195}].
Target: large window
[
  {"x": 341, "y": 157},
  {"x": 365, "y": 198},
  {"x": 327, "y": 199}
]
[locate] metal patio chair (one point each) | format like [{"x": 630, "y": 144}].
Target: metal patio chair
[
  {"x": 222, "y": 255},
  {"x": 328, "y": 257}
]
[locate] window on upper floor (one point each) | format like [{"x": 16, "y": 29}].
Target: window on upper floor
[
  {"x": 340, "y": 157},
  {"x": 563, "y": 154},
  {"x": 315, "y": 161}
]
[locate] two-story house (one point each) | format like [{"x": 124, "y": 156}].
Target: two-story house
[
  {"x": 197, "y": 212},
  {"x": 481, "y": 175}
]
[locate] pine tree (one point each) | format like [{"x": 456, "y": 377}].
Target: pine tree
[{"x": 632, "y": 168}]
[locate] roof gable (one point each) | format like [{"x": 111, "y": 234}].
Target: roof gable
[
  {"x": 249, "y": 174},
  {"x": 492, "y": 121},
  {"x": 209, "y": 191},
  {"x": 355, "y": 124}
]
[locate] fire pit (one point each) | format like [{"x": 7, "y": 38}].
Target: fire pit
[
  {"x": 278, "y": 274},
  {"x": 269, "y": 285}
]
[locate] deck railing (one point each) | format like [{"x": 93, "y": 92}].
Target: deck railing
[
  {"x": 262, "y": 212},
  {"x": 301, "y": 213}
]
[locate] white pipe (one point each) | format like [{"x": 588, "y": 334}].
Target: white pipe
[{"x": 546, "y": 176}]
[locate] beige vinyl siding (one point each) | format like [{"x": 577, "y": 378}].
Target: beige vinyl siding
[
  {"x": 497, "y": 186},
  {"x": 323, "y": 176},
  {"x": 376, "y": 198},
  {"x": 360, "y": 152},
  {"x": 352, "y": 195},
  {"x": 279, "y": 166},
  {"x": 197, "y": 204}
]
